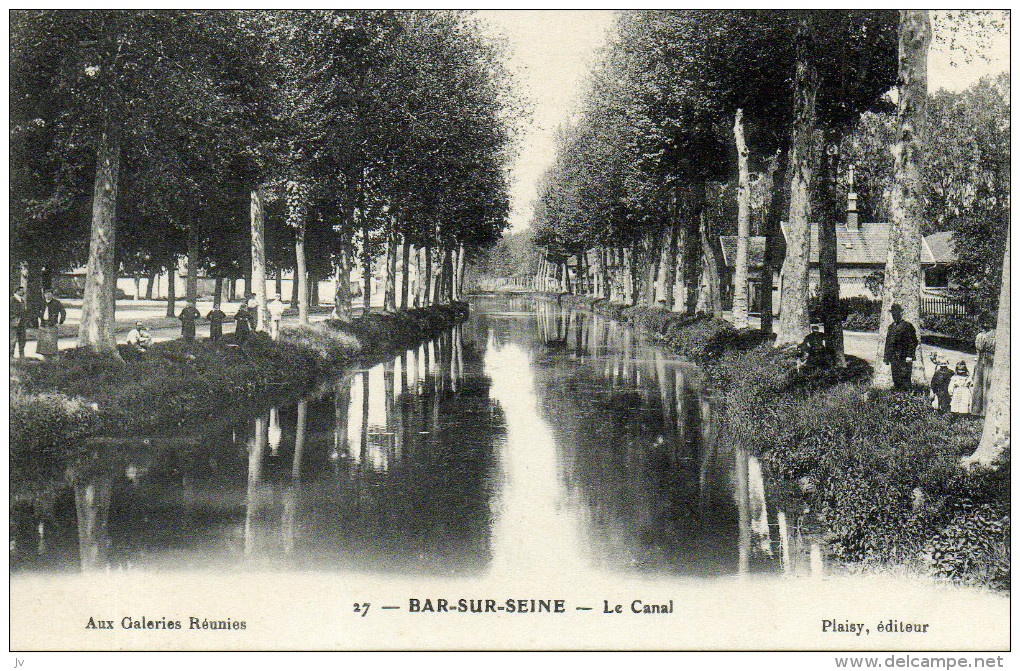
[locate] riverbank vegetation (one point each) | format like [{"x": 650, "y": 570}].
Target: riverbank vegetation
[
  {"x": 877, "y": 471},
  {"x": 715, "y": 146},
  {"x": 58, "y": 405}
]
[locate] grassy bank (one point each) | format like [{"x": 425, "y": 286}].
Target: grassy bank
[
  {"x": 874, "y": 472},
  {"x": 57, "y": 405}
]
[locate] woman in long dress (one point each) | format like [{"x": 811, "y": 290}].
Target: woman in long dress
[
  {"x": 51, "y": 315},
  {"x": 985, "y": 345}
]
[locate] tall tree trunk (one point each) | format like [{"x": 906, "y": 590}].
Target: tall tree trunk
[
  {"x": 33, "y": 287},
  {"x": 191, "y": 285},
  {"x": 258, "y": 259},
  {"x": 772, "y": 233},
  {"x": 692, "y": 244},
  {"x": 24, "y": 273},
  {"x": 301, "y": 275},
  {"x": 599, "y": 273},
  {"x": 651, "y": 259},
  {"x": 630, "y": 286},
  {"x": 297, "y": 217},
  {"x": 294, "y": 286},
  {"x": 712, "y": 281},
  {"x": 743, "y": 225},
  {"x": 342, "y": 299},
  {"x": 828, "y": 276},
  {"x": 96, "y": 330},
  {"x": 390, "y": 268},
  {"x": 171, "y": 291},
  {"x": 152, "y": 282},
  {"x": 447, "y": 275},
  {"x": 903, "y": 265},
  {"x": 217, "y": 300},
  {"x": 669, "y": 252},
  {"x": 995, "y": 436},
  {"x": 794, "y": 320},
  {"x": 138, "y": 287},
  {"x": 461, "y": 262},
  {"x": 405, "y": 275},
  {"x": 366, "y": 282},
  {"x": 427, "y": 285}
]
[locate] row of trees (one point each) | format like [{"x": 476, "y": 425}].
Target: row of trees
[
  {"x": 689, "y": 111},
  {"x": 684, "y": 99},
  {"x": 255, "y": 140}
]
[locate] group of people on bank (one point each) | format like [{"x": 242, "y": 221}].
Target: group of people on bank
[
  {"x": 46, "y": 319},
  {"x": 246, "y": 320},
  {"x": 52, "y": 313},
  {"x": 956, "y": 391}
]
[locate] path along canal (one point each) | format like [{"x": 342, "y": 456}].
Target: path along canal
[{"x": 528, "y": 439}]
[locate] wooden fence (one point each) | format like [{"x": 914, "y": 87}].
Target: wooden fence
[{"x": 941, "y": 305}]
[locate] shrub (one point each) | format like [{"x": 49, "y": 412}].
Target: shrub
[
  {"x": 329, "y": 344},
  {"x": 46, "y": 431},
  {"x": 961, "y": 327},
  {"x": 857, "y": 321}
]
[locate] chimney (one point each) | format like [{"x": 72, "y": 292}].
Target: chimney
[
  {"x": 851, "y": 203},
  {"x": 851, "y": 212}
]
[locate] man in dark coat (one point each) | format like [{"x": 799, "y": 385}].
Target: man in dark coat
[
  {"x": 19, "y": 318},
  {"x": 900, "y": 345},
  {"x": 188, "y": 317},
  {"x": 216, "y": 317},
  {"x": 51, "y": 315}
]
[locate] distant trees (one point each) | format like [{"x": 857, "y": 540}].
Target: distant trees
[
  {"x": 326, "y": 133},
  {"x": 968, "y": 178}
]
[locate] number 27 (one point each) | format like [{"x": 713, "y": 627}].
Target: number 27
[{"x": 362, "y": 608}]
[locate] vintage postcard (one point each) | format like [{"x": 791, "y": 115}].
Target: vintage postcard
[{"x": 422, "y": 330}]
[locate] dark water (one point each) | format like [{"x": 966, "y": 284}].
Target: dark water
[{"x": 527, "y": 439}]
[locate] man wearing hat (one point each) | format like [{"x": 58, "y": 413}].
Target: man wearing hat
[
  {"x": 900, "y": 345},
  {"x": 19, "y": 321}
]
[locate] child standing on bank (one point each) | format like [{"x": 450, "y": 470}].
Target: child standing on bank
[{"x": 961, "y": 389}]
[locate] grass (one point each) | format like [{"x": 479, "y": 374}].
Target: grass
[{"x": 882, "y": 474}]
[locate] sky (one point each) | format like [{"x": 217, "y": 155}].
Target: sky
[{"x": 550, "y": 52}]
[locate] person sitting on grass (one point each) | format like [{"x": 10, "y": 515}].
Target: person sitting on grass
[
  {"x": 139, "y": 338},
  {"x": 812, "y": 353},
  {"x": 961, "y": 387}
]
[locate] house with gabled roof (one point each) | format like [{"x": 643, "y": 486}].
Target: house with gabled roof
[{"x": 861, "y": 251}]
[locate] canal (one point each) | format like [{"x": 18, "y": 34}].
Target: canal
[{"x": 528, "y": 439}]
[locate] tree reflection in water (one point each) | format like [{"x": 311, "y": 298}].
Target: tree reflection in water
[{"x": 408, "y": 466}]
